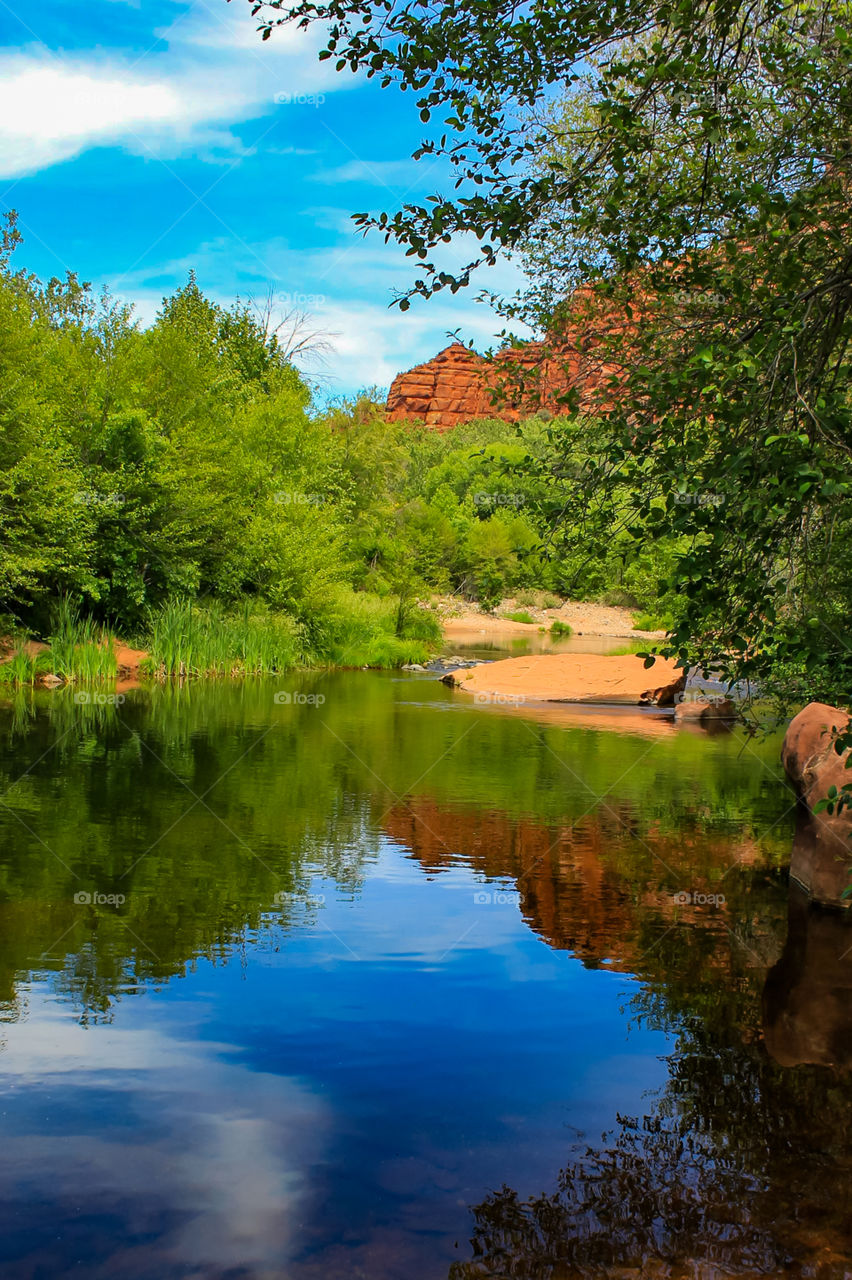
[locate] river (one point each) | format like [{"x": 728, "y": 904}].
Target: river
[{"x": 341, "y": 975}]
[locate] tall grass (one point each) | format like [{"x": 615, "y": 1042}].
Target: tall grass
[
  {"x": 22, "y": 667},
  {"x": 356, "y": 629},
  {"x": 195, "y": 640},
  {"x": 80, "y": 649},
  {"x": 348, "y": 629}
]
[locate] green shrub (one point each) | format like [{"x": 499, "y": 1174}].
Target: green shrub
[
  {"x": 620, "y": 598},
  {"x": 559, "y": 628},
  {"x": 652, "y": 622},
  {"x": 356, "y": 629}
]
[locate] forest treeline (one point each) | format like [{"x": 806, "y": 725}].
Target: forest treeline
[{"x": 178, "y": 485}]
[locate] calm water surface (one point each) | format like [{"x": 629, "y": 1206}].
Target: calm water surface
[{"x": 396, "y": 987}]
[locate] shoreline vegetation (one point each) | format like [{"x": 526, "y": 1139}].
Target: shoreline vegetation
[
  {"x": 197, "y": 641},
  {"x": 184, "y": 488},
  {"x": 190, "y": 641}
]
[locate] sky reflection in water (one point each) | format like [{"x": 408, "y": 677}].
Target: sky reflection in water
[{"x": 407, "y": 964}]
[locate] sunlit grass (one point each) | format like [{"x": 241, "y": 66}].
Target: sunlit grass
[
  {"x": 79, "y": 648},
  {"x": 192, "y": 640}
]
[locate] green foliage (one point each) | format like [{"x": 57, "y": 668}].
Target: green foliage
[
  {"x": 693, "y": 163},
  {"x": 559, "y": 628},
  {"x": 521, "y": 615},
  {"x": 80, "y": 649},
  {"x": 651, "y": 622},
  {"x": 354, "y": 629},
  {"x": 178, "y": 486},
  {"x": 21, "y": 667}
]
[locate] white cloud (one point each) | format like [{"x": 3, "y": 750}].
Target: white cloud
[
  {"x": 347, "y": 290},
  {"x": 50, "y": 111},
  {"x": 208, "y": 69},
  {"x": 200, "y": 1115},
  {"x": 383, "y": 173}
]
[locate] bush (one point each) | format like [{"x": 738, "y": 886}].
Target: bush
[
  {"x": 652, "y": 622},
  {"x": 356, "y": 629},
  {"x": 619, "y": 598}
]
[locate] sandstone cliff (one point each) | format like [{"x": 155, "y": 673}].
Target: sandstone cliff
[{"x": 574, "y": 371}]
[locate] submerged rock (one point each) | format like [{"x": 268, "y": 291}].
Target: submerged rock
[
  {"x": 447, "y": 665},
  {"x": 713, "y": 713}
]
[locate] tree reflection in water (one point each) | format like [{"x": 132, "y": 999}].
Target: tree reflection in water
[{"x": 742, "y": 1167}]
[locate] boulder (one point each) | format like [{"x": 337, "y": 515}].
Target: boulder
[
  {"x": 575, "y": 677},
  {"x": 822, "y": 845},
  {"x": 713, "y": 714}
]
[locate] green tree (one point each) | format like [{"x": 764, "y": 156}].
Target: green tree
[{"x": 697, "y": 170}]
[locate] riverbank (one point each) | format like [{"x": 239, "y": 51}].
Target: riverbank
[
  {"x": 192, "y": 641},
  {"x": 185, "y": 639},
  {"x": 465, "y": 623}
]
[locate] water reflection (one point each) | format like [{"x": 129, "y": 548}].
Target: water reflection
[
  {"x": 807, "y": 1000},
  {"x": 372, "y": 963}
]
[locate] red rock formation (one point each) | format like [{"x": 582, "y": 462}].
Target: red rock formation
[
  {"x": 575, "y": 371},
  {"x": 444, "y": 392}
]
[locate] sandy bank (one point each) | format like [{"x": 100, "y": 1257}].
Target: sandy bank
[
  {"x": 466, "y": 623},
  {"x": 574, "y": 677}
]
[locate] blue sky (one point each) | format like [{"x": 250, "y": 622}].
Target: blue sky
[{"x": 139, "y": 140}]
